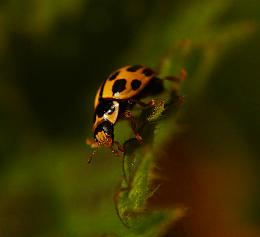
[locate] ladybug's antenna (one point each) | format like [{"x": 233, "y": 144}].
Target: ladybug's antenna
[
  {"x": 93, "y": 144},
  {"x": 92, "y": 155}
]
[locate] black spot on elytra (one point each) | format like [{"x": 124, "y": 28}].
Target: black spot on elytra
[
  {"x": 119, "y": 86},
  {"x": 134, "y": 68},
  {"x": 103, "y": 107},
  {"x": 113, "y": 76},
  {"x": 136, "y": 84},
  {"x": 148, "y": 72}
]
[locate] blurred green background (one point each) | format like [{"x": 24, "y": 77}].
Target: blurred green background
[{"x": 53, "y": 56}]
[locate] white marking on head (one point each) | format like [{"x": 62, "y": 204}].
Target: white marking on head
[{"x": 116, "y": 94}]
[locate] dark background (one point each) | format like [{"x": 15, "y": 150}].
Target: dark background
[{"x": 53, "y": 57}]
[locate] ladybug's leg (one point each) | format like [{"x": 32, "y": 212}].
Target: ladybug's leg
[
  {"x": 115, "y": 152},
  {"x": 182, "y": 77},
  {"x": 151, "y": 103},
  {"x": 141, "y": 103},
  {"x": 128, "y": 115},
  {"x": 119, "y": 146}
]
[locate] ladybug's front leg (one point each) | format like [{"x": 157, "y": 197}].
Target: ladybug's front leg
[
  {"x": 119, "y": 146},
  {"x": 128, "y": 115},
  {"x": 117, "y": 151},
  {"x": 180, "y": 78},
  {"x": 150, "y": 103}
]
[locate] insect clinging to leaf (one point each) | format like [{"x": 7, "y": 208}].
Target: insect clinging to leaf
[{"x": 115, "y": 99}]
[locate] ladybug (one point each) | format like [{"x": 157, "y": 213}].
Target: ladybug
[{"x": 116, "y": 97}]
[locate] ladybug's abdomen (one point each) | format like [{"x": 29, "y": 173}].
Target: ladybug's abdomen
[{"x": 126, "y": 82}]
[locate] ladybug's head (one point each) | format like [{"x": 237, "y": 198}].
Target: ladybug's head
[{"x": 104, "y": 134}]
